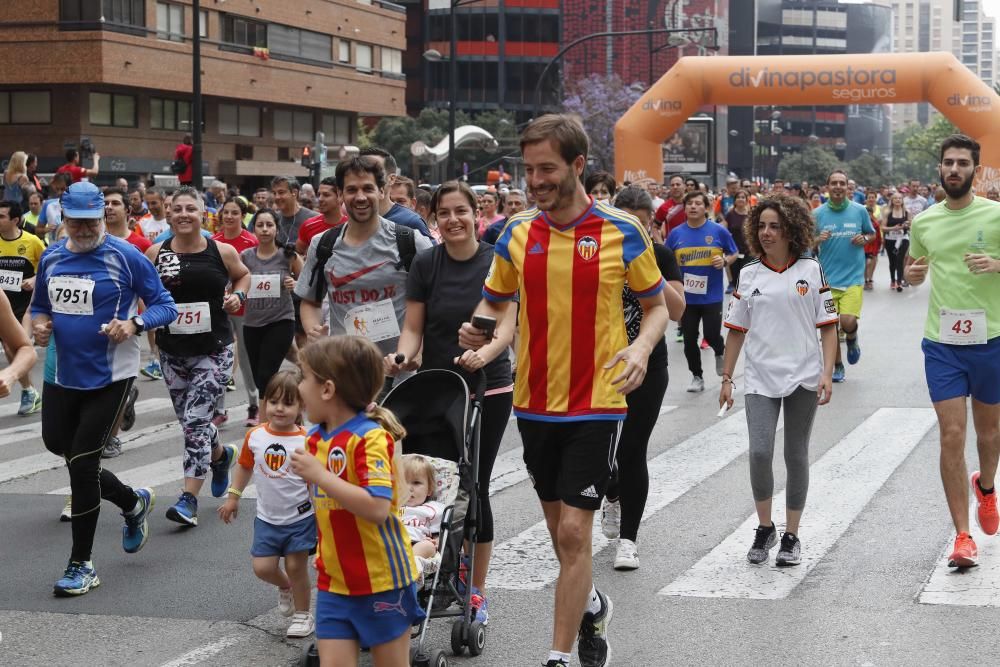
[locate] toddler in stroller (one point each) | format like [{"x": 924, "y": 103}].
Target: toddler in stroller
[{"x": 421, "y": 513}]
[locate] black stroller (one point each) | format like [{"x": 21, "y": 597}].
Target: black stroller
[{"x": 442, "y": 422}]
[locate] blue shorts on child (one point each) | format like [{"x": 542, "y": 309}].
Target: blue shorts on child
[
  {"x": 368, "y": 619},
  {"x": 271, "y": 540}
]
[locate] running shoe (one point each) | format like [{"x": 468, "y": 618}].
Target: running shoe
[
  {"x": 986, "y": 510},
  {"x": 868, "y": 286},
  {"x": 697, "y": 385},
  {"x": 853, "y": 350},
  {"x": 627, "y": 555},
  {"x": 286, "y": 605},
  {"x": 231, "y": 385},
  {"x": 185, "y": 510},
  {"x": 67, "y": 511},
  {"x": 893, "y": 285},
  {"x": 112, "y": 449},
  {"x": 220, "y": 470},
  {"x": 611, "y": 518},
  {"x": 680, "y": 335},
  {"x": 136, "y": 528},
  {"x": 302, "y": 625},
  {"x": 478, "y": 603},
  {"x": 220, "y": 418},
  {"x": 592, "y": 642},
  {"x": 253, "y": 415},
  {"x": 555, "y": 663},
  {"x": 78, "y": 579},
  {"x": 704, "y": 344},
  {"x": 152, "y": 370},
  {"x": 899, "y": 287},
  {"x": 965, "y": 552},
  {"x": 720, "y": 364},
  {"x": 790, "y": 551},
  {"x": 838, "y": 373},
  {"x": 31, "y": 402},
  {"x": 764, "y": 539},
  {"x": 128, "y": 417}
]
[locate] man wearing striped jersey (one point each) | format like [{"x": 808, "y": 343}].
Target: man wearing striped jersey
[{"x": 569, "y": 260}]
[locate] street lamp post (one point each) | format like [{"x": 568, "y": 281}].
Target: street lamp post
[{"x": 196, "y": 172}]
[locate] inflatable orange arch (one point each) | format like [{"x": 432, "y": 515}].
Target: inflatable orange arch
[{"x": 873, "y": 78}]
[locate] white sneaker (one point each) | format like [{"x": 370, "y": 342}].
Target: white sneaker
[
  {"x": 697, "y": 385},
  {"x": 67, "y": 510},
  {"x": 627, "y": 557},
  {"x": 611, "y": 518},
  {"x": 286, "y": 606},
  {"x": 302, "y": 625}
]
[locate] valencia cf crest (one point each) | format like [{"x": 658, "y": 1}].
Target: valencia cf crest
[
  {"x": 275, "y": 456},
  {"x": 802, "y": 287},
  {"x": 337, "y": 461},
  {"x": 708, "y": 239},
  {"x": 587, "y": 247}
]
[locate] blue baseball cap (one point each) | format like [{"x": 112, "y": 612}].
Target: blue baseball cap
[{"x": 83, "y": 200}]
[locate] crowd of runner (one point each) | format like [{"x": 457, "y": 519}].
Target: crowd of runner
[{"x": 318, "y": 295}]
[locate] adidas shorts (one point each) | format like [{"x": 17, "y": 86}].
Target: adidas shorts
[{"x": 570, "y": 461}]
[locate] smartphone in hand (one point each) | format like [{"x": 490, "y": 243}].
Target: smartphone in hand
[{"x": 487, "y": 324}]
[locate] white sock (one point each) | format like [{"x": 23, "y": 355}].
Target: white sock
[
  {"x": 594, "y": 603},
  {"x": 139, "y": 506},
  {"x": 558, "y": 655}
]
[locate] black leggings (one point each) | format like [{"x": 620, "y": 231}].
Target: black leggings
[
  {"x": 694, "y": 315},
  {"x": 896, "y": 250},
  {"x": 496, "y": 414},
  {"x": 735, "y": 269},
  {"x": 630, "y": 484},
  {"x": 76, "y": 424},
  {"x": 266, "y": 349}
]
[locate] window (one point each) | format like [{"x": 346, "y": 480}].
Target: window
[
  {"x": 203, "y": 26},
  {"x": 343, "y": 51},
  {"x": 169, "y": 22},
  {"x": 392, "y": 61},
  {"x": 118, "y": 15},
  {"x": 283, "y": 40},
  {"x": 241, "y": 31},
  {"x": 239, "y": 120},
  {"x": 293, "y": 125},
  {"x": 169, "y": 114},
  {"x": 363, "y": 57},
  {"x": 28, "y": 107},
  {"x": 337, "y": 128},
  {"x": 112, "y": 109}
]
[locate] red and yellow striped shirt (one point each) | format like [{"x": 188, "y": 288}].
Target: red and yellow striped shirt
[
  {"x": 570, "y": 281},
  {"x": 354, "y": 556}
]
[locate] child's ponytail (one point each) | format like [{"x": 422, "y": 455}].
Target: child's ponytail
[{"x": 387, "y": 420}]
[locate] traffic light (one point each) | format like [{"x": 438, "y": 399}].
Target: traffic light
[{"x": 307, "y": 157}]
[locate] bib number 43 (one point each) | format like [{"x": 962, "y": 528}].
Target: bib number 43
[{"x": 963, "y": 327}]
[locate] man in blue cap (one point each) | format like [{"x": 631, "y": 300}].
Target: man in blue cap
[{"x": 86, "y": 296}]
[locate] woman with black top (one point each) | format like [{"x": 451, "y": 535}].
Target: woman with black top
[
  {"x": 443, "y": 289},
  {"x": 735, "y": 218},
  {"x": 196, "y": 350},
  {"x": 896, "y": 235},
  {"x": 626, "y": 495}
]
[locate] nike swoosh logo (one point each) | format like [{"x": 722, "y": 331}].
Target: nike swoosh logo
[{"x": 343, "y": 280}]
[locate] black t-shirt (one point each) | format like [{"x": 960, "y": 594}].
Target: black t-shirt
[
  {"x": 450, "y": 291},
  {"x": 633, "y": 309},
  {"x": 734, "y": 221}
]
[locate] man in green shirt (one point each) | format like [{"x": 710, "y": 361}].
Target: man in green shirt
[{"x": 958, "y": 242}]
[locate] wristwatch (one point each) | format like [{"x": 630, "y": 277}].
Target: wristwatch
[{"x": 139, "y": 324}]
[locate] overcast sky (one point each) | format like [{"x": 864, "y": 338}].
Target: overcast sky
[{"x": 992, "y": 7}]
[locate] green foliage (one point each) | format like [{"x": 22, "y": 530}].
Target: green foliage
[
  {"x": 813, "y": 163},
  {"x": 870, "y": 170},
  {"x": 917, "y": 149}
]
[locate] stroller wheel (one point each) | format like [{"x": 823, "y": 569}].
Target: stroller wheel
[
  {"x": 458, "y": 635},
  {"x": 476, "y": 638},
  {"x": 310, "y": 656},
  {"x": 440, "y": 659}
]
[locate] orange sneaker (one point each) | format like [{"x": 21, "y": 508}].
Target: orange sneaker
[
  {"x": 986, "y": 510},
  {"x": 965, "y": 552}
]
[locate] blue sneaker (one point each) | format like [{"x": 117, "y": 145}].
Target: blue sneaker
[
  {"x": 220, "y": 470},
  {"x": 152, "y": 370},
  {"x": 838, "y": 373},
  {"x": 136, "y": 528},
  {"x": 78, "y": 579},
  {"x": 31, "y": 402},
  {"x": 853, "y": 351},
  {"x": 478, "y": 603},
  {"x": 185, "y": 510}
]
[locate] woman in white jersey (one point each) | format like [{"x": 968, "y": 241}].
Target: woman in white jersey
[{"x": 782, "y": 299}]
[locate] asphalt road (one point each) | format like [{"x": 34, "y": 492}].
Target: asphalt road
[{"x": 871, "y": 591}]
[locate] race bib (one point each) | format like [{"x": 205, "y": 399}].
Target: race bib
[
  {"x": 11, "y": 280},
  {"x": 375, "y": 321},
  {"x": 71, "y": 296},
  {"x": 694, "y": 284},
  {"x": 963, "y": 327},
  {"x": 895, "y": 234},
  {"x": 192, "y": 318},
  {"x": 265, "y": 286}
]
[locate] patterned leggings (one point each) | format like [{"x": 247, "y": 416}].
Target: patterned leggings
[{"x": 195, "y": 384}]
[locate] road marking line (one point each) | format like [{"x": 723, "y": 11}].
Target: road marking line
[
  {"x": 841, "y": 484},
  {"x": 526, "y": 561},
  {"x": 152, "y": 475},
  {"x": 202, "y": 653},
  {"x": 16, "y": 435},
  {"x": 974, "y": 587}
]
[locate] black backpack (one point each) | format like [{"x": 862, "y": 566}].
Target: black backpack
[{"x": 406, "y": 244}]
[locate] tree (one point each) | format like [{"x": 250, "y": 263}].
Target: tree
[
  {"x": 599, "y": 112},
  {"x": 812, "y": 163},
  {"x": 870, "y": 169},
  {"x": 917, "y": 149}
]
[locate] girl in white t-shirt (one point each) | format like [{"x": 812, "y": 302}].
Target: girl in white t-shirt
[
  {"x": 421, "y": 515},
  {"x": 782, "y": 300},
  {"x": 285, "y": 526}
]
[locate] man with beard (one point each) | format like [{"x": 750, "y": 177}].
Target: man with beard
[
  {"x": 330, "y": 215},
  {"x": 959, "y": 242},
  {"x": 388, "y": 209},
  {"x": 844, "y": 228},
  {"x": 568, "y": 262}
]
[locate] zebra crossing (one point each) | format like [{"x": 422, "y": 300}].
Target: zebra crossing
[{"x": 843, "y": 482}]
